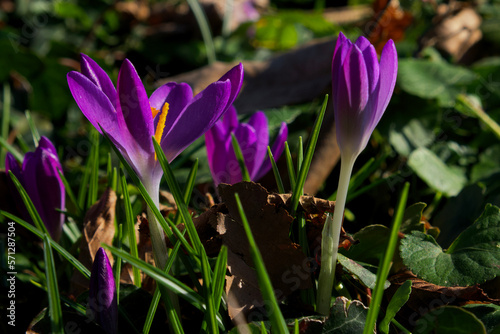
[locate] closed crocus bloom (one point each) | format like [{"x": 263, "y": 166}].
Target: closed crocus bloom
[
  {"x": 102, "y": 307},
  {"x": 253, "y": 138},
  {"x": 39, "y": 175},
  {"x": 362, "y": 89}
]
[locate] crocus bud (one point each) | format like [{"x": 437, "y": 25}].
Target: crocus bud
[
  {"x": 103, "y": 307},
  {"x": 39, "y": 175},
  {"x": 362, "y": 89},
  {"x": 253, "y": 138}
]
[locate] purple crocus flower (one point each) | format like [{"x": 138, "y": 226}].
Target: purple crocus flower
[
  {"x": 172, "y": 115},
  {"x": 253, "y": 139},
  {"x": 102, "y": 307},
  {"x": 39, "y": 175},
  {"x": 362, "y": 89}
]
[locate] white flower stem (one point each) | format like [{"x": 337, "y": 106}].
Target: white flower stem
[{"x": 330, "y": 239}]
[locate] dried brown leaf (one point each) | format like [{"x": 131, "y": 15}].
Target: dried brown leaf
[
  {"x": 287, "y": 266},
  {"x": 426, "y": 296},
  {"x": 98, "y": 228}
]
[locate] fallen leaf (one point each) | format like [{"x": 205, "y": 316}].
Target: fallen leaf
[
  {"x": 288, "y": 268},
  {"x": 98, "y": 228},
  {"x": 426, "y": 296},
  {"x": 389, "y": 21}
]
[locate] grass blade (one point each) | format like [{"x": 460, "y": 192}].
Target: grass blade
[
  {"x": 94, "y": 169},
  {"x": 179, "y": 200},
  {"x": 239, "y": 157},
  {"x": 383, "y": 270},
  {"x": 5, "y": 119},
  {"x": 289, "y": 165},
  {"x": 55, "y": 312},
  {"x": 156, "y": 297},
  {"x": 276, "y": 172},
  {"x": 118, "y": 264},
  {"x": 29, "y": 204},
  {"x": 170, "y": 282},
  {"x": 304, "y": 169},
  {"x": 199, "y": 14},
  {"x": 33, "y": 129},
  {"x": 130, "y": 228},
  {"x": 64, "y": 253},
  {"x": 272, "y": 307},
  {"x": 71, "y": 194},
  {"x": 17, "y": 155}
]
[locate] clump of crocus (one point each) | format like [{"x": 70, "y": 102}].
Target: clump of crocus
[
  {"x": 171, "y": 114},
  {"x": 39, "y": 176},
  {"x": 253, "y": 139},
  {"x": 362, "y": 89},
  {"x": 102, "y": 306}
]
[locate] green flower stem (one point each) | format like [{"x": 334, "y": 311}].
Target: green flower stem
[{"x": 330, "y": 239}]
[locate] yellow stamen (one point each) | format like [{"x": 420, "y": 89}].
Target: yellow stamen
[{"x": 161, "y": 122}]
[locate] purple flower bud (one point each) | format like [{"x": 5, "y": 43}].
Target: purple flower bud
[
  {"x": 362, "y": 89},
  {"x": 102, "y": 307},
  {"x": 253, "y": 139},
  {"x": 39, "y": 175}
]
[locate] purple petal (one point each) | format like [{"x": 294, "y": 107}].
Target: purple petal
[
  {"x": 235, "y": 76},
  {"x": 388, "y": 75},
  {"x": 94, "y": 104},
  {"x": 96, "y": 74},
  {"x": 11, "y": 164},
  {"x": 199, "y": 116},
  {"x": 277, "y": 149},
  {"x": 217, "y": 154},
  {"x": 134, "y": 106},
  {"x": 371, "y": 61},
  {"x": 102, "y": 293},
  {"x": 356, "y": 79},
  {"x": 259, "y": 123},
  {"x": 342, "y": 48},
  {"x": 178, "y": 97},
  {"x": 248, "y": 141},
  {"x": 230, "y": 119},
  {"x": 45, "y": 187}
]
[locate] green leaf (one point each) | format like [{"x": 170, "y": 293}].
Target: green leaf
[
  {"x": 433, "y": 79},
  {"x": 412, "y": 218},
  {"x": 489, "y": 314},
  {"x": 397, "y": 301},
  {"x": 372, "y": 244},
  {"x": 488, "y": 164},
  {"x": 364, "y": 275},
  {"x": 436, "y": 173},
  {"x": 55, "y": 313},
  {"x": 472, "y": 258},
  {"x": 298, "y": 190},
  {"x": 449, "y": 320},
  {"x": 346, "y": 317}
]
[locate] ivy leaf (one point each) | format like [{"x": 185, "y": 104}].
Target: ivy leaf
[
  {"x": 474, "y": 256},
  {"x": 433, "y": 79},
  {"x": 449, "y": 319},
  {"x": 489, "y": 314},
  {"x": 346, "y": 317}
]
